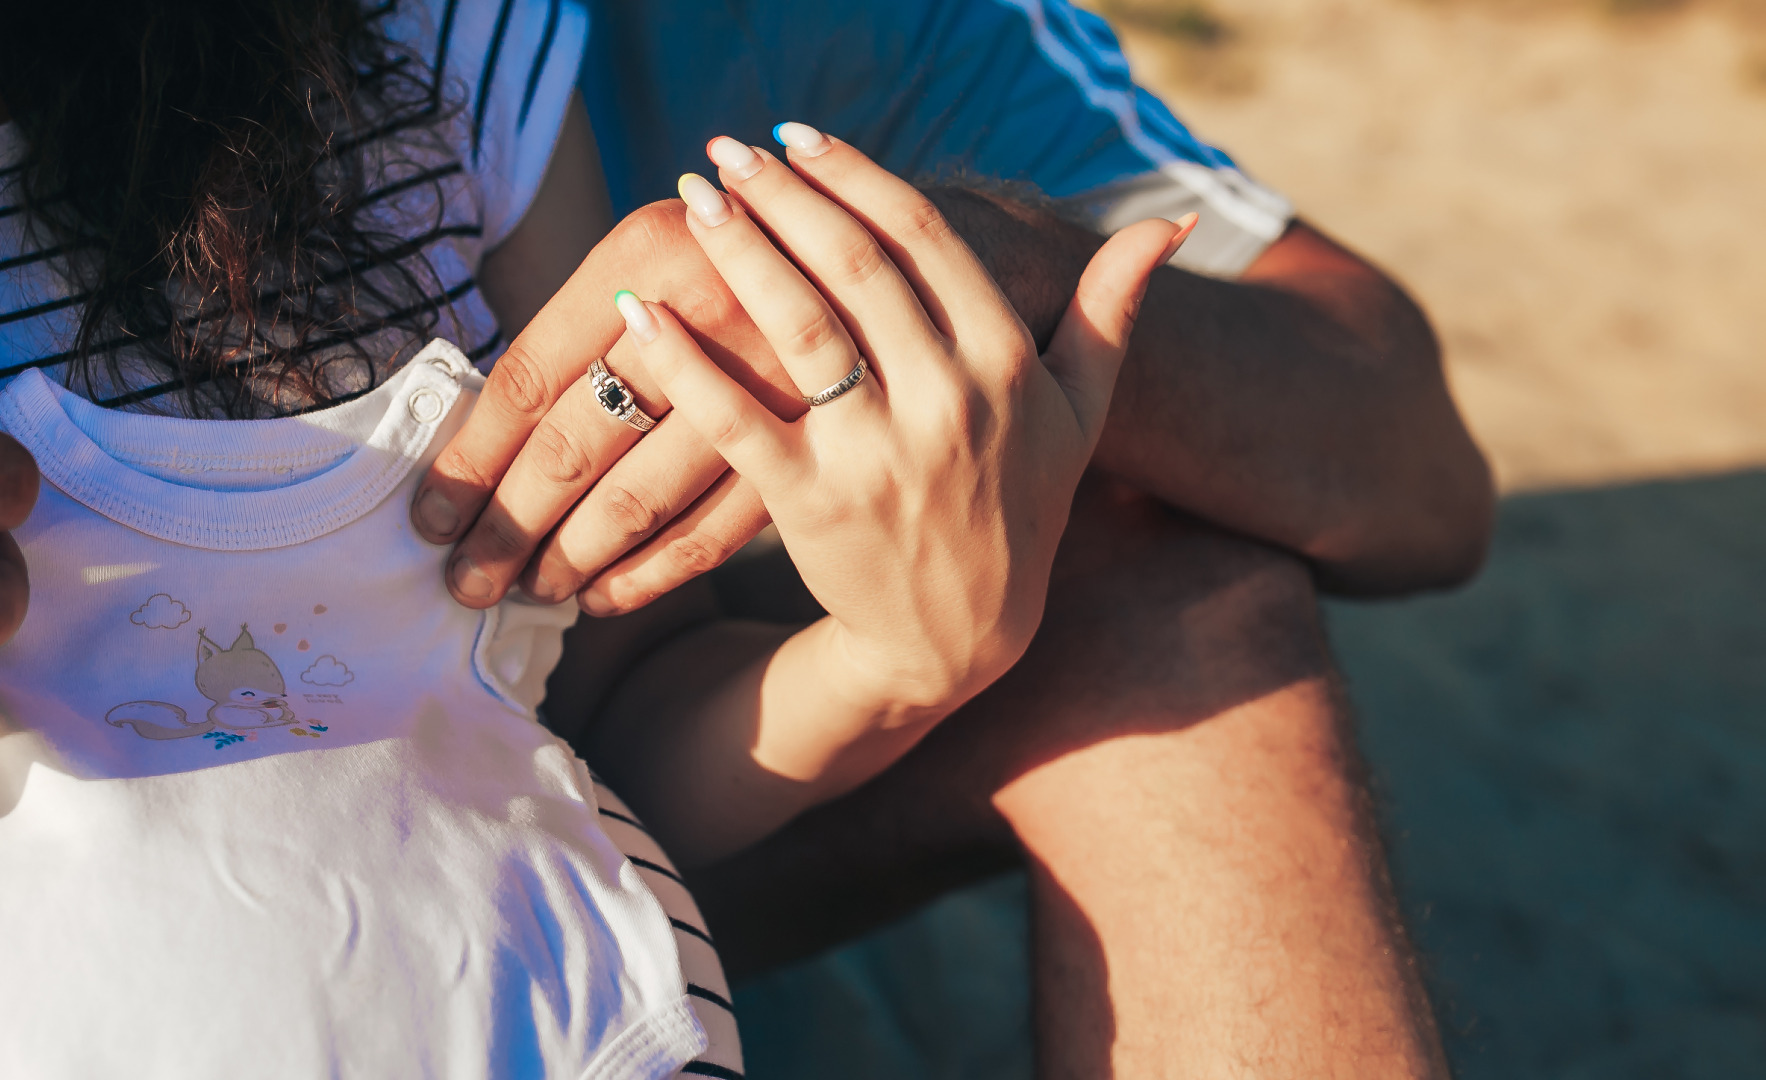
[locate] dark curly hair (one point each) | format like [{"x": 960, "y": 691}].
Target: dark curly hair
[{"x": 200, "y": 168}]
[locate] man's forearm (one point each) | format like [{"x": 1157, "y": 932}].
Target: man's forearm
[{"x": 1303, "y": 404}]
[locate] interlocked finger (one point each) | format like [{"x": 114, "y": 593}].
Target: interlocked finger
[
  {"x": 714, "y": 528},
  {"x": 756, "y": 443},
  {"x": 955, "y": 288},
  {"x": 838, "y": 253},
  {"x": 804, "y": 330},
  {"x": 568, "y": 449},
  {"x": 656, "y": 480}
]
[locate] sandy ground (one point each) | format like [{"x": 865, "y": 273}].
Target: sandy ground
[{"x": 1576, "y": 195}]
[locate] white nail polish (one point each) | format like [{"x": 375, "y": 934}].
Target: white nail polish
[
  {"x": 736, "y": 161},
  {"x": 807, "y": 141},
  {"x": 704, "y": 201},
  {"x": 638, "y": 320}
]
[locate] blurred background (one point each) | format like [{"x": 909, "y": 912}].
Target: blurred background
[{"x": 1571, "y": 753}]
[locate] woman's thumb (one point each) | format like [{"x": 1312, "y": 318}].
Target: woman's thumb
[{"x": 1092, "y": 337}]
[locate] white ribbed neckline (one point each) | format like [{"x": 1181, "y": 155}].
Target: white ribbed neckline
[{"x": 375, "y": 440}]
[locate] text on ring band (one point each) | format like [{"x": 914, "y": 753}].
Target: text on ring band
[{"x": 853, "y": 378}]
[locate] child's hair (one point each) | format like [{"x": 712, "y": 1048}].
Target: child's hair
[{"x": 201, "y": 168}]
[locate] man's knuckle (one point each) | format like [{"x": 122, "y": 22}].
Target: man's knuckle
[
  {"x": 461, "y": 470},
  {"x": 664, "y": 219},
  {"x": 702, "y": 300},
  {"x": 558, "y": 455},
  {"x": 520, "y": 382},
  {"x": 496, "y": 539},
  {"x": 696, "y": 553},
  {"x": 654, "y": 230},
  {"x": 633, "y": 514}
]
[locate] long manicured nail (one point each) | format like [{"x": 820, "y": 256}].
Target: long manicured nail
[
  {"x": 705, "y": 201},
  {"x": 736, "y": 160},
  {"x": 436, "y": 514},
  {"x": 1183, "y": 233},
  {"x": 638, "y": 320},
  {"x": 470, "y": 581},
  {"x": 802, "y": 138}
]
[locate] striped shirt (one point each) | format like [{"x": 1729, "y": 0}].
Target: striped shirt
[
  {"x": 452, "y": 182},
  {"x": 1025, "y": 90}
]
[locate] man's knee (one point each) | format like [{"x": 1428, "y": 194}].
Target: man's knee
[{"x": 1146, "y": 599}]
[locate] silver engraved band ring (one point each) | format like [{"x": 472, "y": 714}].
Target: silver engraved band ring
[
  {"x": 615, "y": 397},
  {"x": 853, "y": 378}
]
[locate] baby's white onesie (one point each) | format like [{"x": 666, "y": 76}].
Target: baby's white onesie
[{"x": 272, "y": 803}]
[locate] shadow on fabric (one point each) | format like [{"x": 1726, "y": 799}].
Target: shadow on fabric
[{"x": 1571, "y": 755}]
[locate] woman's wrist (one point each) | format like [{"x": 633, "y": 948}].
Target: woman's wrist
[
  {"x": 922, "y": 677},
  {"x": 883, "y": 684}
]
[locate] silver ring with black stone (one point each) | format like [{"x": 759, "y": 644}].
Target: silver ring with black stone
[
  {"x": 615, "y": 397},
  {"x": 853, "y": 378}
]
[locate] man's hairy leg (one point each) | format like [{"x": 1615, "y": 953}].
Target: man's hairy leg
[{"x": 1209, "y": 897}]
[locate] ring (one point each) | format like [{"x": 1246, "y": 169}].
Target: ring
[
  {"x": 615, "y": 397},
  {"x": 853, "y": 378}
]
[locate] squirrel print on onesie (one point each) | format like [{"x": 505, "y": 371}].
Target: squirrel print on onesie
[{"x": 246, "y": 694}]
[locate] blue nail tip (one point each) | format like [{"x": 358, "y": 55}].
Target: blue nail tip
[{"x": 776, "y": 128}]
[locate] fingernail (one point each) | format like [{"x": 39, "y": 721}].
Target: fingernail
[
  {"x": 470, "y": 581},
  {"x": 802, "y": 138},
  {"x": 1183, "y": 233},
  {"x": 638, "y": 319},
  {"x": 705, "y": 201},
  {"x": 436, "y": 514},
  {"x": 736, "y": 160},
  {"x": 596, "y": 602},
  {"x": 542, "y": 590}
]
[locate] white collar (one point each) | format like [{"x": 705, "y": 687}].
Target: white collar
[{"x": 96, "y": 456}]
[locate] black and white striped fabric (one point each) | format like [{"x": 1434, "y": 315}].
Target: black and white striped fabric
[
  {"x": 704, "y": 972},
  {"x": 504, "y": 71}
]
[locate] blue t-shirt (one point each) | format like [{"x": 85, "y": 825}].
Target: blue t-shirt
[{"x": 1031, "y": 91}]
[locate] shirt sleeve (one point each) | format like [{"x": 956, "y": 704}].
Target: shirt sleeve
[
  {"x": 508, "y": 68},
  {"x": 1029, "y": 91}
]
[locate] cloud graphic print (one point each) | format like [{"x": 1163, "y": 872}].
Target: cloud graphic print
[
  {"x": 328, "y": 670},
  {"x": 160, "y": 612}
]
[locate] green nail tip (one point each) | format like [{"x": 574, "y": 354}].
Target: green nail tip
[{"x": 624, "y": 292}]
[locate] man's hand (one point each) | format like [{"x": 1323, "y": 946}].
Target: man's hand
[
  {"x": 18, "y": 494},
  {"x": 1303, "y": 404},
  {"x": 659, "y": 509}
]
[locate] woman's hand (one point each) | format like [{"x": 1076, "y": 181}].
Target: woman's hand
[
  {"x": 922, "y": 506},
  {"x": 542, "y": 488},
  {"x": 18, "y": 494}
]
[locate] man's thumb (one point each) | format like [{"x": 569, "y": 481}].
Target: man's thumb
[{"x": 1092, "y": 337}]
